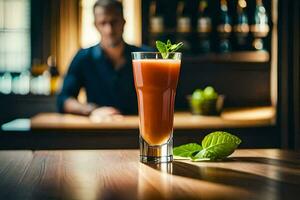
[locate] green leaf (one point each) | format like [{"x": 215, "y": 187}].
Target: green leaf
[
  {"x": 169, "y": 44},
  {"x": 220, "y": 137},
  {"x": 206, "y": 154},
  {"x": 166, "y": 48},
  {"x": 162, "y": 48},
  {"x": 218, "y": 145},
  {"x": 175, "y": 47},
  {"x": 187, "y": 150}
]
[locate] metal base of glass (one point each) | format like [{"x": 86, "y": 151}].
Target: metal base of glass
[{"x": 156, "y": 154}]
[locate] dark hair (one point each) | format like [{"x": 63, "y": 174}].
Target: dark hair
[{"x": 109, "y": 4}]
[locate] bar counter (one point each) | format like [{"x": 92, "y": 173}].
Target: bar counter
[
  {"x": 230, "y": 118},
  {"x": 255, "y": 126},
  {"x": 118, "y": 174}
]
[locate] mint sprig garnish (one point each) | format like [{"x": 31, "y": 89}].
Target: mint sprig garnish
[
  {"x": 215, "y": 146},
  {"x": 166, "y": 48}
]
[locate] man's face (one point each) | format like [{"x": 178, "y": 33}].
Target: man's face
[{"x": 110, "y": 25}]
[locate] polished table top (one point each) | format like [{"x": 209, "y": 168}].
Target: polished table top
[
  {"x": 118, "y": 174},
  {"x": 230, "y": 118}
]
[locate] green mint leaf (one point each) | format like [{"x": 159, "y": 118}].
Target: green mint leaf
[
  {"x": 220, "y": 137},
  {"x": 175, "y": 47},
  {"x": 217, "y": 145},
  {"x": 187, "y": 150},
  {"x": 166, "y": 48},
  {"x": 169, "y": 44},
  {"x": 205, "y": 154},
  {"x": 162, "y": 48}
]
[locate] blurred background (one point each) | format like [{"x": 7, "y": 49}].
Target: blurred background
[{"x": 247, "y": 50}]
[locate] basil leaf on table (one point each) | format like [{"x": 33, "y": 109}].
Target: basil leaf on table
[
  {"x": 187, "y": 150},
  {"x": 218, "y": 145},
  {"x": 215, "y": 146}
]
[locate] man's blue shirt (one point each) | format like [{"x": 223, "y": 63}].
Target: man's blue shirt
[{"x": 104, "y": 86}]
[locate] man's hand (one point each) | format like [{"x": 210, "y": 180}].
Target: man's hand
[
  {"x": 105, "y": 114},
  {"x": 71, "y": 105}
]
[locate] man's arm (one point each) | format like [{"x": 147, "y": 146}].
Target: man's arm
[
  {"x": 71, "y": 105},
  {"x": 67, "y": 99},
  {"x": 73, "y": 81}
]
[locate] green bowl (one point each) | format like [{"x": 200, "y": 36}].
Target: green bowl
[{"x": 212, "y": 107}]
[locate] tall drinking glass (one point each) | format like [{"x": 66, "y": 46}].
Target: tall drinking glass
[{"x": 155, "y": 82}]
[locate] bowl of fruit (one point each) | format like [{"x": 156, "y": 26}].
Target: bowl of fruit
[{"x": 206, "y": 102}]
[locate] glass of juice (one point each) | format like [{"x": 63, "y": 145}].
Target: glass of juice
[{"x": 155, "y": 82}]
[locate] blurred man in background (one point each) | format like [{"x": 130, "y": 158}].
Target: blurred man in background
[{"x": 104, "y": 70}]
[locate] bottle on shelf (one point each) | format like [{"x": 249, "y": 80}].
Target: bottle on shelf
[
  {"x": 260, "y": 27},
  {"x": 21, "y": 83},
  {"x": 6, "y": 83},
  {"x": 156, "y": 23},
  {"x": 241, "y": 27},
  {"x": 54, "y": 74},
  {"x": 25, "y": 82},
  {"x": 15, "y": 84},
  {"x": 204, "y": 28},
  {"x": 224, "y": 28},
  {"x": 184, "y": 26}
]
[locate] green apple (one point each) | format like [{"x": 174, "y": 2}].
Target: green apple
[
  {"x": 210, "y": 93},
  {"x": 198, "y": 95}
]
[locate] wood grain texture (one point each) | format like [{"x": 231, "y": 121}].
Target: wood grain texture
[
  {"x": 234, "y": 118},
  {"x": 118, "y": 174}
]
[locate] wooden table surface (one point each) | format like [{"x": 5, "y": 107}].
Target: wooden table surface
[
  {"x": 230, "y": 118},
  {"x": 118, "y": 174}
]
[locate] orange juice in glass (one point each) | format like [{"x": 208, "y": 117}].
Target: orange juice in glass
[{"x": 155, "y": 81}]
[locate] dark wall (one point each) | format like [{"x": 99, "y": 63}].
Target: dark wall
[
  {"x": 289, "y": 73},
  {"x": 44, "y": 16},
  {"x": 243, "y": 84},
  {"x": 24, "y": 106}
]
